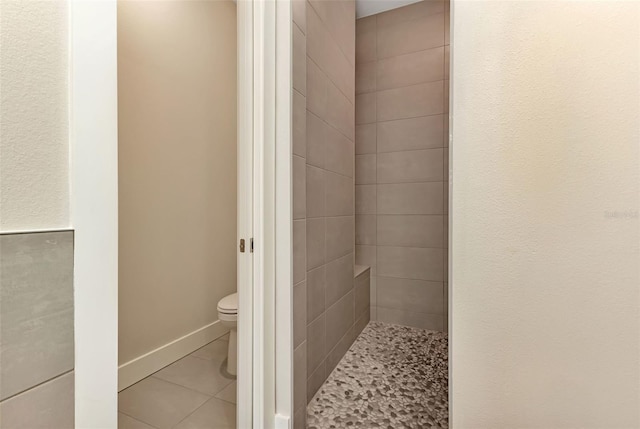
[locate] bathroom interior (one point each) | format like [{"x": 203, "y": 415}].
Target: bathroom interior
[
  {"x": 370, "y": 186},
  {"x": 177, "y": 174},
  {"x": 370, "y": 213}
]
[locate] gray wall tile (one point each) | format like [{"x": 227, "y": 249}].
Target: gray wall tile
[
  {"x": 410, "y": 134},
  {"x": 410, "y": 36},
  {"x": 49, "y": 405},
  {"x": 299, "y": 313},
  {"x": 418, "y": 296},
  {"x": 411, "y": 262},
  {"x": 300, "y": 376},
  {"x": 316, "y": 286},
  {"x": 410, "y": 230},
  {"x": 365, "y": 139},
  {"x": 340, "y": 236},
  {"x": 410, "y": 166},
  {"x": 316, "y": 343},
  {"x": 410, "y": 101},
  {"x": 410, "y": 198},
  {"x": 36, "y": 309},
  {"x": 299, "y": 250},
  {"x": 339, "y": 194},
  {"x": 339, "y": 279},
  {"x": 340, "y": 317}
]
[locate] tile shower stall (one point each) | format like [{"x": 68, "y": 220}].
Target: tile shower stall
[{"x": 370, "y": 183}]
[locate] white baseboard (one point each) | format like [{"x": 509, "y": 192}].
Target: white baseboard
[{"x": 143, "y": 366}]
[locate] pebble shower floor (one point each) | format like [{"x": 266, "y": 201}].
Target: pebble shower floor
[{"x": 392, "y": 377}]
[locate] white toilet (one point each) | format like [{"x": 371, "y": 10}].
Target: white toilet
[{"x": 228, "y": 315}]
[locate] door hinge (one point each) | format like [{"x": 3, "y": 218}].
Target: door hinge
[{"x": 242, "y": 245}]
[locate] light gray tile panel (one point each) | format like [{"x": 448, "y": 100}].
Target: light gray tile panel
[
  {"x": 410, "y": 198},
  {"x": 410, "y": 230},
  {"x": 411, "y": 166},
  {"x": 362, "y": 321},
  {"x": 366, "y": 255},
  {"x": 316, "y": 281},
  {"x": 299, "y": 124},
  {"x": 366, "y": 77},
  {"x": 340, "y": 111},
  {"x": 340, "y": 236},
  {"x": 365, "y": 139},
  {"x": 299, "y": 12},
  {"x": 339, "y": 281},
  {"x": 299, "y": 60},
  {"x": 126, "y": 422},
  {"x": 340, "y": 317},
  {"x": 36, "y": 309},
  {"x": 197, "y": 374},
  {"x": 411, "y": 69},
  {"x": 366, "y": 199},
  {"x": 366, "y": 108},
  {"x": 300, "y": 376},
  {"x": 410, "y": 101},
  {"x": 418, "y": 296},
  {"x": 299, "y": 178},
  {"x": 159, "y": 403},
  {"x": 339, "y": 194},
  {"x": 316, "y": 191},
  {"x": 335, "y": 354},
  {"x": 316, "y": 343},
  {"x": 49, "y": 405},
  {"x": 316, "y": 140},
  {"x": 299, "y": 250},
  {"x": 418, "y": 10},
  {"x": 340, "y": 153},
  {"x": 316, "y": 87},
  {"x": 410, "y": 134},
  {"x": 366, "y": 39},
  {"x": 299, "y": 313},
  {"x": 315, "y": 242},
  {"x": 366, "y": 169},
  {"x": 365, "y": 229},
  {"x": 410, "y": 36},
  {"x": 214, "y": 410},
  {"x": 411, "y": 262},
  {"x": 362, "y": 293},
  {"x": 315, "y": 380},
  {"x": 433, "y": 322}
]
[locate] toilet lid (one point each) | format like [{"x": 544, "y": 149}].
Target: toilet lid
[{"x": 229, "y": 304}]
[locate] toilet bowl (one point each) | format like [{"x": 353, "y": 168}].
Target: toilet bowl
[{"x": 228, "y": 316}]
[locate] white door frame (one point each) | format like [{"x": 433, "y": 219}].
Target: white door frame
[{"x": 264, "y": 208}]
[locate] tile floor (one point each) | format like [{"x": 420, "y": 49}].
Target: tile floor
[
  {"x": 192, "y": 393},
  {"x": 391, "y": 377}
]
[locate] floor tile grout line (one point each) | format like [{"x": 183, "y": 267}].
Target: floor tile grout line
[
  {"x": 189, "y": 388},
  {"x": 137, "y": 419}
]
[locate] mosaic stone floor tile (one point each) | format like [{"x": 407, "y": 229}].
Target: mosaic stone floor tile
[{"x": 392, "y": 377}]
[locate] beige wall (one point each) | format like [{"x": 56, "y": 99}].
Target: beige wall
[
  {"x": 177, "y": 132},
  {"x": 402, "y": 77},
  {"x": 545, "y": 227},
  {"x": 34, "y": 147}
]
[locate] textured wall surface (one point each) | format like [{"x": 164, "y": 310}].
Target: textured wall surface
[
  {"x": 177, "y": 168},
  {"x": 545, "y": 228},
  {"x": 402, "y": 83},
  {"x": 34, "y": 149}
]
